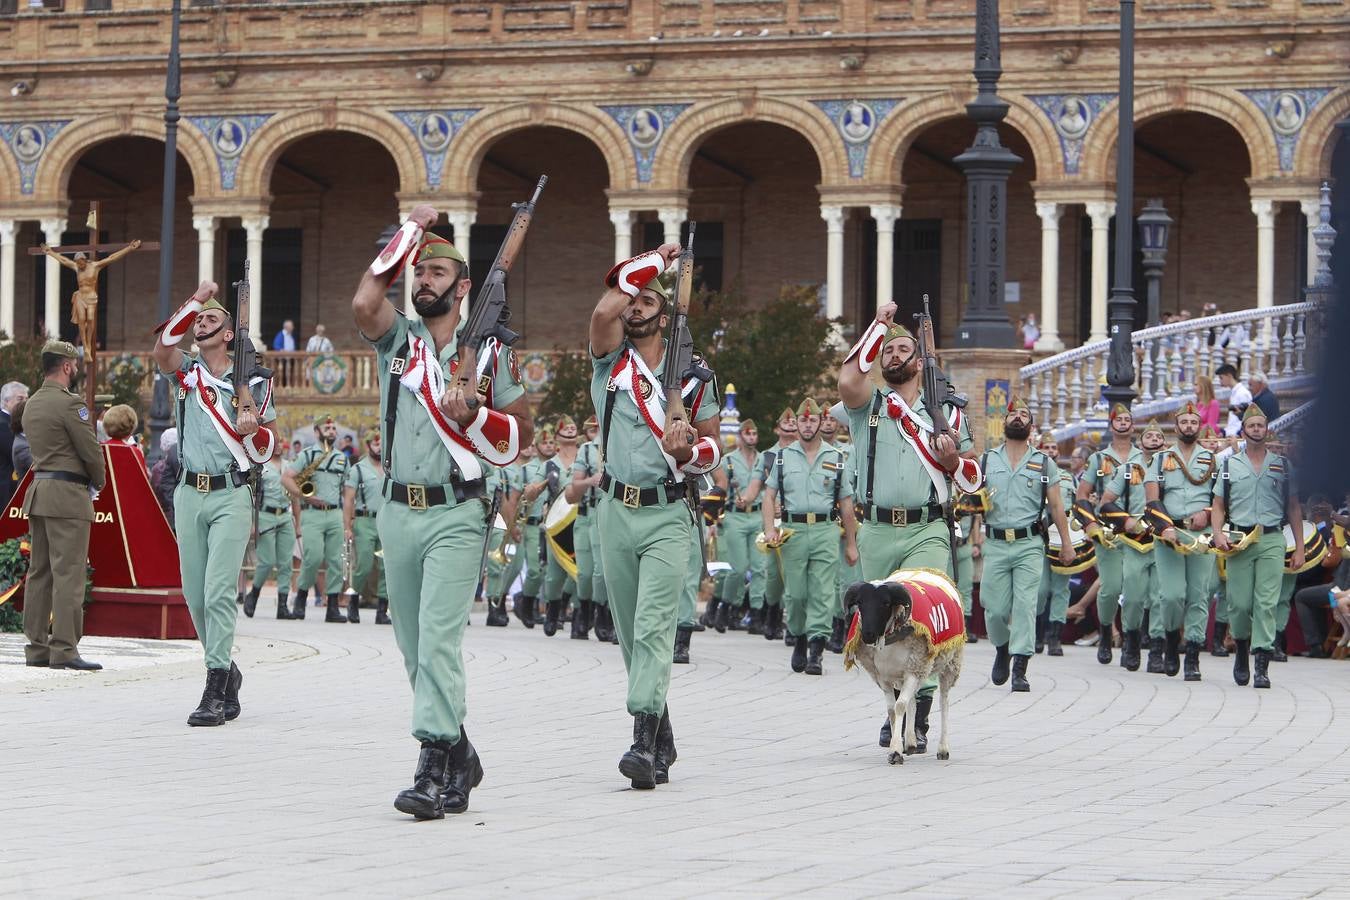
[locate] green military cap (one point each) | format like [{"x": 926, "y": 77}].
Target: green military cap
[
  {"x": 1017, "y": 403},
  {"x": 899, "y": 331},
  {"x": 808, "y": 407},
  {"x": 1153, "y": 426},
  {"x": 1253, "y": 412},
  {"x": 213, "y": 303},
  {"x": 1120, "y": 409},
  {"x": 1186, "y": 409},
  {"x": 543, "y": 433},
  {"x": 325, "y": 419},
  {"x": 787, "y": 415},
  {"x": 436, "y": 247},
  {"x": 591, "y": 422},
  {"x": 748, "y": 423},
  {"x": 564, "y": 421},
  {"x": 60, "y": 348}
]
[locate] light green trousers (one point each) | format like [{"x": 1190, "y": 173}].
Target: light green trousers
[
  {"x": 1009, "y": 591},
  {"x": 276, "y": 543},
  {"x": 1054, "y": 594},
  {"x": 535, "y": 566},
  {"x": 586, "y": 561},
  {"x": 810, "y": 578},
  {"x": 1185, "y": 582},
  {"x": 1254, "y": 577},
  {"x": 500, "y": 578},
  {"x": 694, "y": 574},
  {"x": 365, "y": 541},
  {"x": 736, "y": 546},
  {"x": 1125, "y": 585},
  {"x": 213, "y": 531},
  {"x": 965, "y": 575},
  {"x": 322, "y": 540}
]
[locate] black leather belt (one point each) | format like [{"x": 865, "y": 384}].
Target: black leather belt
[
  {"x": 320, "y": 505},
  {"x": 632, "y": 496},
  {"x": 362, "y": 513},
  {"x": 425, "y": 496},
  {"x": 534, "y": 520},
  {"x": 1013, "y": 534},
  {"x": 63, "y": 476},
  {"x": 205, "y": 484},
  {"x": 582, "y": 510},
  {"x": 808, "y": 518},
  {"x": 915, "y": 515},
  {"x": 276, "y": 510}
]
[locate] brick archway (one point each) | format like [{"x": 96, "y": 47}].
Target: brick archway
[
  {"x": 671, "y": 169},
  {"x": 265, "y": 148},
  {"x": 471, "y": 145},
  {"x": 1312, "y": 158},
  {"x": 1230, "y": 107},
  {"x": 899, "y": 131},
  {"x": 53, "y": 175},
  {"x": 10, "y": 179}
]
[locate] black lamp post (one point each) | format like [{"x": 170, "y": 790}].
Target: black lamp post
[
  {"x": 159, "y": 404},
  {"x": 1154, "y": 225},
  {"x": 1120, "y": 308}
]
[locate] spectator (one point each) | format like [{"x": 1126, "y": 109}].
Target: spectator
[
  {"x": 1239, "y": 398},
  {"x": 1030, "y": 333},
  {"x": 1206, "y": 402},
  {"x": 164, "y": 476},
  {"x": 21, "y": 455},
  {"x": 285, "y": 339},
  {"x": 1263, "y": 396},
  {"x": 11, "y": 395},
  {"x": 296, "y": 447},
  {"x": 349, "y": 451},
  {"x": 319, "y": 343}
]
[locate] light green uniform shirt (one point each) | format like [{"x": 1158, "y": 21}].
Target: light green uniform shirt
[
  {"x": 739, "y": 474},
  {"x": 901, "y": 481},
  {"x": 809, "y": 487},
  {"x": 514, "y": 476},
  {"x": 1066, "y": 494},
  {"x": 1015, "y": 493},
  {"x": 417, "y": 455},
  {"x": 1102, "y": 466},
  {"x": 199, "y": 445},
  {"x": 1180, "y": 497},
  {"x": 587, "y": 464},
  {"x": 328, "y": 477},
  {"x": 633, "y": 454},
  {"x": 368, "y": 484},
  {"x": 273, "y": 494},
  {"x": 538, "y": 470},
  {"x": 1131, "y": 495},
  {"x": 1256, "y": 495},
  {"x": 766, "y": 467}
]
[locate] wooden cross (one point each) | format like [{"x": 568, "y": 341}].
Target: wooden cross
[{"x": 84, "y": 302}]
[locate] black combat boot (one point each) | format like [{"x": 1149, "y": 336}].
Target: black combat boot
[
  {"x": 301, "y": 600},
  {"x": 497, "y": 616},
  {"x": 799, "y": 654},
  {"x": 1220, "y": 632},
  {"x": 354, "y": 609},
  {"x": 836, "y": 644},
  {"x": 230, "y": 707},
  {"x": 425, "y": 799},
  {"x": 736, "y": 621},
  {"x": 721, "y": 617},
  {"x": 1020, "y": 685},
  {"x": 283, "y": 611},
  {"x": 1104, "y": 644},
  {"x": 524, "y": 609},
  {"x": 814, "y": 664},
  {"x": 552, "y": 615},
  {"x": 1155, "y": 656},
  {"x": 756, "y": 621},
  {"x": 334, "y": 610},
  {"x": 1241, "y": 670},
  {"x": 1277, "y": 653},
  {"x": 971, "y": 637},
  {"x": 581, "y": 621},
  {"x": 665, "y": 748},
  {"x": 1041, "y": 621},
  {"x": 1261, "y": 674},
  {"x": 709, "y": 611},
  {"x": 638, "y": 765},
  {"x": 1129, "y": 650},
  {"x": 922, "y": 707},
  {"x": 211, "y": 711},
  {"x": 682, "y": 637},
  {"x": 250, "y": 602},
  {"x": 999, "y": 674},
  {"x": 463, "y": 774},
  {"x": 604, "y": 624},
  {"x": 775, "y": 633},
  {"x": 1172, "y": 654},
  {"x": 1053, "y": 647},
  {"x": 382, "y": 611},
  {"x": 1192, "y": 661}
]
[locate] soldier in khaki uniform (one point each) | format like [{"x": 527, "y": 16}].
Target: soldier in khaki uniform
[
  {"x": 67, "y": 472},
  {"x": 324, "y": 466},
  {"x": 1053, "y": 604},
  {"x": 772, "y": 562},
  {"x": 539, "y": 478}
]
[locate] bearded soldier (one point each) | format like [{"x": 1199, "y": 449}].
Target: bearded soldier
[
  {"x": 1152, "y": 441},
  {"x": 736, "y": 534},
  {"x": 361, "y": 502},
  {"x": 278, "y": 519},
  {"x": 1180, "y": 483},
  {"x": 1213, "y": 441},
  {"x": 431, "y": 526},
  {"x": 766, "y": 469},
  {"x": 643, "y": 523},
  {"x": 322, "y": 468},
  {"x": 1052, "y": 610},
  {"x": 224, "y": 429}
]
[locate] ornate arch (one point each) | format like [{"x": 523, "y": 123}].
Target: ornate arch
[
  {"x": 671, "y": 171},
  {"x": 1312, "y": 158},
  {"x": 483, "y": 130},
  {"x": 10, "y": 177},
  {"x": 899, "y": 131},
  {"x": 265, "y": 148},
  {"x": 1099, "y": 153},
  {"x": 53, "y": 174}
]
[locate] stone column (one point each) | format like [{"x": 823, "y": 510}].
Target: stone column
[
  {"x": 462, "y": 223},
  {"x": 622, "y": 220},
  {"x": 8, "y": 228},
  {"x": 206, "y": 247},
  {"x": 255, "y": 226},
  {"x": 1100, "y": 211},
  {"x": 1265, "y": 252},
  {"x": 885, "y": 217},
  {"x": 1049, "y": 339},
  {"x": 1311, "y": 211},
  {"x": 672, "y": 217},
  {"x": 52, "y": 229},
  {"x": 834, "y": 260}
]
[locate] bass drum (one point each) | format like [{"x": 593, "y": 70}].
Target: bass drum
[
  {"x": 558, "y": 529},
  {"x": 1084, "y": 551},
  {"x": 1314, "y": 548}
]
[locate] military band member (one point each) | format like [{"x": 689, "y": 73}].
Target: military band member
[
  {"x": 362, "y": 498},
  {"x": 1021, "y": 485},
  {"x": 643, "y": 519},
  {"x": 584, "y": 491},
  {"x": 278, "y": 519},
  {"x": 315, "y": 479},
  {"x": 559, "y": 587},
  {"x": 68, "y": 470},
  {"x": 1052, "y": 610},
  {"x": 837, "y": 436},
  {"x": 785, "y": 430},
  {"x": 1180, "y": 484},
  {"x": 431, "y": 525},
  {"x": 736, "y": 534},
  {"x": 503, "y": 567},
  {"x": 542, "y": 475},
  {"x": 1152, "y": 441},
  {"x": 1255, "y": 490},
  {"x": 218, "y": 442},
  {"x": 1214, "y": 442},
  {"x": 1123, "y": 503}
]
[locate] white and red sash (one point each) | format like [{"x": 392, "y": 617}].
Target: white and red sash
[
  {"x": 424, "y": 378},
  {"x": 631, "y": 374},
  {"x": 211, "y": 392},
  {"x": 919, "y": 435}
]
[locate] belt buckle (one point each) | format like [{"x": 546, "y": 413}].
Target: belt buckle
[
  {"x": 632, "y": 496},
  {"x": 810, "y": 518},
  {"x": 899, "y": 517},
  {"x": 1010, "y": 534},
  {"x": 203, "y": 483},
  {"x": 417, "y": 496}
]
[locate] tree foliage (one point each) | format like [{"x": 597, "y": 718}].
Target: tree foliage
[{"x": 569, "y": 391}]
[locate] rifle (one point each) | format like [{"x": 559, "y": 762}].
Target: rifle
[
  {"x": 493, "y": 509},
  {"x": 488, "y": 317},
  {"x": 679, "y": 344},
  {"x": 937, "y": 389},
  {"x": 245, "y": 356}
]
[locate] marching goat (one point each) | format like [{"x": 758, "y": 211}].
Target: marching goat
[{"x": 902, "y": 630}]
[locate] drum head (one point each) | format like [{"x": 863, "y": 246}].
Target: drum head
[{"x": 1314, "y": 548}]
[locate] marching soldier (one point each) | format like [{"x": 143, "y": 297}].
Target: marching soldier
[
  {"x": 1152, "y": 441},
  {"x": 1255, "y": 493},
  {"x": 837, "y": 436},
  {"x": 430, "y": 526},
  {"x": 736, "y": 534},
  {"x": 315, "y": 477},
  {"x": 1123, "y": 503},
  {"x": 68, "y": 470},
  {"x": 1052, "y": 610},
  {"x": 559, "y": 587},
  {"x": 785, "y": 429},
  {"x": 503, "y": 570},
  {"x": 1213, "y": 441},
  {"x": 361, "y": 502},
  {"x": 540, "y": 476},
  {"x": 223, "y": 430},
  {"x": 1020, "y": 481},
  {"x": 278, "y": 520},
  {"x": 1180, "y": 483},
  {"x": 584, "y": 492},
  {"x": 811, "y": 484},
  {"x": 643, "y": 518}
]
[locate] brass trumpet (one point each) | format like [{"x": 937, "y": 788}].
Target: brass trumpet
[
  {"x": 348, "y": 563},
  {"x": 500, "y": 557}
]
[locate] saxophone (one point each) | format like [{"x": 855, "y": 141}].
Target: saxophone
[{"x": 306, "y": 476}]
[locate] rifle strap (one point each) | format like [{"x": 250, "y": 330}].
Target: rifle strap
[
  {"x": 397, "y": 363},
  {"x": 1227, "y": 491},
  {"x": 873, "y": 423},
  {"x": 606, "y": 417}
]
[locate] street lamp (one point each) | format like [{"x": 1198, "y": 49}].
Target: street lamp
[
  {"x": 1154, "y": 225},
  {"x": 160, "y": 412},
  {"x": 1120, "y": 308}
]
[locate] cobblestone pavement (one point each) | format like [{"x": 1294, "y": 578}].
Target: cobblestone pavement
[{"x": 1119, "y": 784}]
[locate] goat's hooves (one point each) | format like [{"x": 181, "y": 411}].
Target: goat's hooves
[
  {"x": 895, "y": 758},
  {"x": 944, "y": 754}
]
